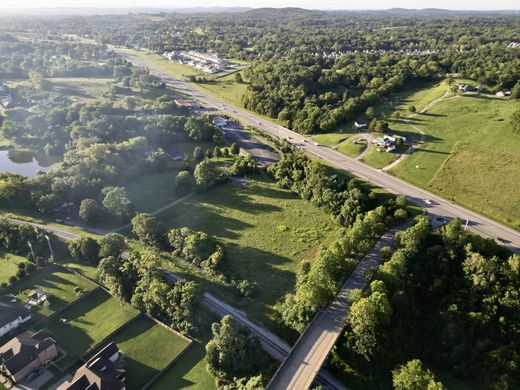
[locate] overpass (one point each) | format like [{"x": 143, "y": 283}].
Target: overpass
[{"x": 299, "y": 369}]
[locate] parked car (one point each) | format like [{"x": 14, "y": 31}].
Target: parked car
[{"x": 34, "y": 374}]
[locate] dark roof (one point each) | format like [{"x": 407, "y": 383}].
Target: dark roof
[
  {"x": 99, "y": 372},
  {"x": 10, "y": 309},
  {"x": 23, "y": 349}
]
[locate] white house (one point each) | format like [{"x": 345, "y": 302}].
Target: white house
[
  {"x": 13, "y": 313},
  {"x": 37, "y": 297}
]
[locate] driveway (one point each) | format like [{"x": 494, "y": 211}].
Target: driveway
[{"x": 36, "y": 383}]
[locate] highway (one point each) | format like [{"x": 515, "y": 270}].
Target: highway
[
  {"x": 298, "y": 371},
  {"x": 434, "y": 204}
]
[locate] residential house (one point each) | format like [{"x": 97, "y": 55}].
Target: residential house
[
  {"x": 37, "y": 297},
  {"x": 13, "y": 313},
  {"x": 26, "y": 353},
  {"x": 102, "y": 372}
]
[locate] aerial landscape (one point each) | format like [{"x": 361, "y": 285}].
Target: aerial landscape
[{"x": 259, "y": 195}]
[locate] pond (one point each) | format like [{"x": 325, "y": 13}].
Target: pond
[{"x": 26, "y": 163}]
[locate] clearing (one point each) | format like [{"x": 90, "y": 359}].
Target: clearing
[
  {"x": 267, "y": 232},
  {"x": 9, "y": 265}
]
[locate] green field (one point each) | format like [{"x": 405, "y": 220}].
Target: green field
[
  {"x": 469, "y": 156},
  {"x": 266, "y": 231},
  {"x": 382, "y": 158},
  {"x": 87, "y": 323},
  {"x": 226, "y": 88},
  {"x": 351, "y": 149},
  {"x": 189, "y": 372},
  {"x": 9, "y": 265},
  {"x": 59, "y": 286},
  {"x": 84, "y": 89},
  {"x": 147, "y": 349}
]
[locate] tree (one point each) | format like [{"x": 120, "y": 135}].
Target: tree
[
  {"x": 206, "y": 175},
  {"x": 198, "y": 154},
  {"x": 116, "y": 200},
  {"x": 147, "y": 228},
  {"x": 238, "y": 78},
  {"x": 411, "y": 108},
  {"x": 90, "y": 210},
  {"x": 370, "y": 113},
  {"x": 216, "y": 152},
  {"x": 233, "y": 351},
  {"x": 412, "y": 376},
  {"x": 119, "y": 276},
  {"x": 515, "y": 122},
  {"x": 84, "y": 249},
  {"x": 184, "y": 182},
  {"x": 111, "y": 244},
  {"x": 234, "y": 149},
  {"x": 515, "y": 92}
]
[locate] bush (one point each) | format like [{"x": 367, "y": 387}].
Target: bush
[
  {"x": 3, "y": 285},
  {"x": 400, "y": 214},
  {"x": 21, "y": 265},
  {"x": 21, "y": 273},
  {"x": 12, "y": 279},
  {"x": 29, "y": 267}
]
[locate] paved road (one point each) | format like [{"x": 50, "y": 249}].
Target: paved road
[
  {"x": 298, "y": 371},
  {"x": 438, "y": 207},
  {"x": 60, "y": 233}
]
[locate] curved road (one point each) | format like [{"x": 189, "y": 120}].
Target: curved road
[{"x": 436, "y": 206}]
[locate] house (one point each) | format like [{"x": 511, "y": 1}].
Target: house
[
  {"x": 182, "y": 103},
  {"x": 102, "y": 372},
  {"x": 26, "y": 353},
  {"x": 390, "y": 148},
  {"x": 37, "y": 297},
  {"x": 13, "y": 313},
  {"x": 5, "y": 100},
  {"x": 360, "y": 125}
]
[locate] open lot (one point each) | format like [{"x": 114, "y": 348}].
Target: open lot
[
  {"x": 86, "y": 323},
  {"x": 58, "y": 284},
  {"x": 9, "y": 265},
  {"x": 226, "y": 88},
  {"x": 147, "y": 349},
  {"x": 470, "y": 155},
  {"x": 267, "y": 233}
]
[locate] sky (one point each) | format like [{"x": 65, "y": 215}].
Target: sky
[{"x": 309, "y": 4}]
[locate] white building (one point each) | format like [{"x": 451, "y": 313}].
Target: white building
[
  {"x": 13, "y": 313},
  {"x": 360, "y": 125}
]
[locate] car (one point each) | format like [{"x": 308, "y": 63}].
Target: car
[
  {"x": 34, "y": 374},
  {"x": 259, "y": 122},
  {"x": 427, "y": 201},
  {"x": 439, "y": 219},
  {"x": 503, "y": 240},
  {"x": 316, "y": 144}
]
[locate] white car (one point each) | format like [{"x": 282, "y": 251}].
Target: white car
[{"x": 427, "y": 201}]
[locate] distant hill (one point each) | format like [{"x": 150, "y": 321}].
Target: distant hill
[{"x": 67, "y": 11}]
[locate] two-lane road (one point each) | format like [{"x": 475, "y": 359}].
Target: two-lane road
[{"x": 436, "y": 205}]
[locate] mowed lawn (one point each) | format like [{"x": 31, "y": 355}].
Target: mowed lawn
[
  {"x": 267, "y": 232},
  {"x": 86, "y": 323},
  {"x": 147, "y": 349},
  {"x": 190, "y": 372},
  {"x": 59, "y": 286},
  {"x": 9, "y": 265},
  {"x": 226, "y": 88},
  {"x": 469, "y": 156}
]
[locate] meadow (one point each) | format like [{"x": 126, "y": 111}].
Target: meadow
[
  {"x": 9, "y": 265},
  {"x": 267, "y": 232}
]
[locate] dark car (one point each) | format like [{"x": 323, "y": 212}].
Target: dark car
[{"x": 34, "y": 374}]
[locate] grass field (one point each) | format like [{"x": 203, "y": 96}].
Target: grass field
[
  {"x": 87, "y": 323},
  {"x": 9, "y": 265},
  {"x": 351, "y": 149},
  {"x": 382, "y": 158},
  {"x": 58, "y": 284},
  {"x": 188, "y": 373},
  {"x": 469, "y": 156},
  {"x": 147, "y": 349},
  {"x": 84, "y": 89},
  {"x": 266, "y": 231},
  {"x": 227, "y": 89}
]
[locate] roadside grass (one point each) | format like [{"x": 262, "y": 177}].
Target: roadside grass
[
  {"x": 147, "y": 348},
  {"x": 351, "y": 149},
  {"x": 9, "y": 265},
  {"x": 188, "y": 373},
  {"x": 87, "y": 323},
  {"x": 83, "y": 88},
  {"x": 267, "y": 232},
  {"x": 59, "y": 286},
  {"x": 176, "y": 70},
  {"x": 330, "y": 139},
  {"x": 87, "y": 270},
  {"x": 226, "y": 88},
  {"x": 382, "y": 158},
  {"x": 484, "y": 173}
]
